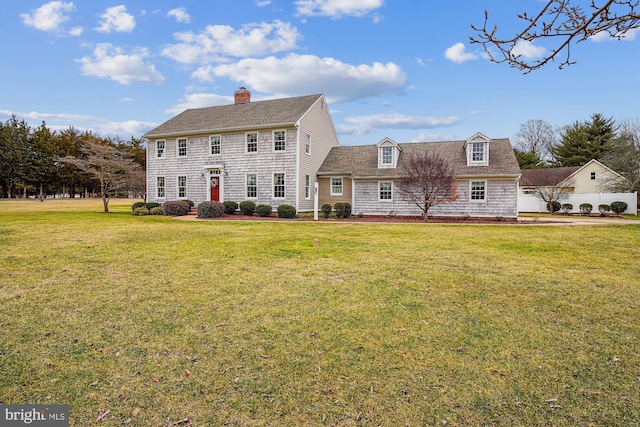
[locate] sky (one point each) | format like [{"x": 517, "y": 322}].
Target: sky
[{"x": 402, "y": 69}]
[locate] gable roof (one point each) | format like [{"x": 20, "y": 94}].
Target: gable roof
[
  {"x": 362, "y": 161},
  {"x": 251, "y": 115},
  {"x": 546, "y": 177}
]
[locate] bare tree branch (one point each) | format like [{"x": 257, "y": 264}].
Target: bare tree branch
[{"x": 569, "y": 23}]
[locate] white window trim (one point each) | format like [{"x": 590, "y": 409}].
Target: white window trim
[
  {"x": 485, "y": 191},
  {"x": 219, "y": 145},
  {"x": 381, "y": 199},
  {"x": 307, "y": 187},
  {"x": 164, "y": 186},
  {"x": 485, "y": 154},
  {"x": 246, "y": 142},
  {"x": 186, "y": 143},
  {"x": 273, "y": 185},
  {"x": 164, "y": 150},
  {"x": 341, "y": 185},
  {"x": 178, "y": 187},
  {"x": 307, "y": 145},
  {"x": 273, "y": 139},
  {"x": 246, "y": 186}
]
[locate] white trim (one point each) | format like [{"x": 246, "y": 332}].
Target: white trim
[
  {"x": 219, "y": 145},
  {"x": 273, "y": 140},
  {"x": 186, "y": 191},
  {"x": 381, "y": 199},
  {"x": 246, "y": 142},
  {"x": 341, "y": 178},
  {"x": 307, "y": 143},
  {"x": 164, "y": 149},
  {"x": 246, "y": 186},
  {"x": 164, "y": 187},
  {"x": 307, "y": 196},
  {"x": 484, "y": 199},
  {"x": 186, "y": 143},
  {"x": 273, "y": 185}
]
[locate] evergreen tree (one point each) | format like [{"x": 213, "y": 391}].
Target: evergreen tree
[
  {"x": 584, "y": 141},
  {"x": 528, "y": 159}
]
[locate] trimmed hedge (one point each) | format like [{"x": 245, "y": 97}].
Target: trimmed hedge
[
  {"x": 230, "y": 207},
  {"x": 586, "y": 208},
  {"x": 176, "y": 208},
  {"x": 137, "y": 205},
  {"x": 247, "y": 207},
  {"x": 619, "y": 207},
  {"x": 603, "y": 209},
  {"x": 140, "y": 211},
  {"x": 158, "y": 210},
  {"x": 151, "y": 205},
  {"x": 264, "y": 210},
  {"x": 189, "y": 202},
  {"x": 343, "y": 209},
  {"x": 326, "y": 210},
  {"x": 286, "y": 211},
  {"x": 210, "y": 210},
  {"x": 567, "y": 207},
  {"x": 556, "y": 206}
]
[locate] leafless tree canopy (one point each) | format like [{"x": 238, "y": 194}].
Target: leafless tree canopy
[
  {"x": 550, "y": 184},
  {"x": 624, "y": 156},
  {"x": 429, "y": 181},
  {"x": 564, "y": 22},
  {"x": 536, "y": 136}
]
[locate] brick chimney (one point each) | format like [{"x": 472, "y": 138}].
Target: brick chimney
[{"x": 242, "y": 96}]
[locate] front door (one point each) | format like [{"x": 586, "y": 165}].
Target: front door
[{"x": 215, "y": 188}]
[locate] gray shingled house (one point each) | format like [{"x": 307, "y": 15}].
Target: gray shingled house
[
  {"x": 366, "y": 176},
  {"x": 273, "y": 152},
  {"x": 265, "y": 151}
]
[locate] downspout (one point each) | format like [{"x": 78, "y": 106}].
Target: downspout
[{"x": 297, "y": 200}]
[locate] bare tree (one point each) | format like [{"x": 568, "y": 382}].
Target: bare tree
[
  {"x": 563, "y": 21},
  {"x": 623, "y": 156},
  {"x": 106, "y": 164},
  {"x": 429, "y": 181},
  {"x": 538, "y": 137}
]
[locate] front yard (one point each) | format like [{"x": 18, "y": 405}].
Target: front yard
[{"x": 165, "y": 322}]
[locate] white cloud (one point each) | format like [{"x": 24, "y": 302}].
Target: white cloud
[
  {"x": 602, "y": 36},
  {"x": 199, "y": 100},
  {"x": 217, "y": 41},
  {"x": 364, "y": 124},
  {"x": 527, "y": 50},
  {"x": 263, "y": 3},
  {"x": 124, "y": 129},
  {"x": 117, "y": 19},
  {"x": 34, "y": 115},
  {"x": 76, "y": 31},
  {"x": 457, "y": 54},
  {"x": 180, "y": 14},
  {"x": 111, "y": 62},
  {"x": 433, "y": 137},
  {"x": 337, "y": 8},
  {"x": 304, "y": 74},
  {"x": 49, "y": 16}
]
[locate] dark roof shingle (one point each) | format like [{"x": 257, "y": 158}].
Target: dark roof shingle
[{"x": 258, "y": 114}]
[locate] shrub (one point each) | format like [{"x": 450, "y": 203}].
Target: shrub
[
  {"x": 326, "y": 210},
  {"x": 247, "y": 207},
  {"x": 151, "y": 205},
  {"x": 603, "y": 209},
  {"x": 190, "y": 203},
  {"x": 619, "y": 207},
  {"x": 286, "y": 211},
  {"x": 210, "y": 210},
  {"x": 158, "y": 210},
  {"x": 140, "y": 211},
  {"x": 264, "y": 210},
  {"x": 137, "y": 205},
  {"x": 566, "y": 208},
  {"x": 586, "y": 208},
  {"x": 343, "y": 210},
  {"x": 230, "y": 207},
  {"x": 556, "y": 206},
  {"x": 176, "y": 208}
]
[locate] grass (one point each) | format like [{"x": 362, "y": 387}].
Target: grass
[{"x": 247, "y": 323}]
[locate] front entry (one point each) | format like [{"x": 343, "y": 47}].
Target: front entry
[{"x": 215, "y": 188}]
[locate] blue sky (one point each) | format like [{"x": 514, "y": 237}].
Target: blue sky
[{"x": 397, "y": 68}]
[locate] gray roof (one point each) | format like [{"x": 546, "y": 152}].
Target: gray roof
[
  {"x": 362, "y": 160},
  {"x": 250, "y": 115},
  {"x": 546, "y": 177}
]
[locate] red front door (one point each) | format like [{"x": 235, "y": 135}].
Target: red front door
[{"x": 215, "y": 188}]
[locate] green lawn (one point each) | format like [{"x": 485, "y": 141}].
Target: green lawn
[{"x": 248, "y": 324}]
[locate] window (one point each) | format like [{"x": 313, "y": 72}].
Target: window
[
  {"x": 252, "y": 142},
  {"x": 214, "y": 145},
  {"x": 160, "y": 187},
  {"x": 279, "y": 140},
  {"x": 307, "y": 187},
  {"x": 478, "y": 191},
  {"x": 387, "y": 155},
  {"x": 336, "y": 186},
  {"x": 182, "y": 187},
  {"x": 182, "y": 147},
  {"x": 307, "y": 147},
  {"x": 477, "y": 151},
  {"x": 385, "y": 190},
  {"x": 252, "y": 186},
  {"x": 160, "y": 149},
  {"x": 278, "y": 185},
  {"x": 593, "y": 176}
]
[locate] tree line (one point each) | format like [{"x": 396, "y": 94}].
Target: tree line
[
  {"x": 39, "y": 162},
  {"x": 616, "y": 145}
]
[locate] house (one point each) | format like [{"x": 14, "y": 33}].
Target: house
[
  {"x": 274, "y": 152},
  {"x": 366, "y": 176},
  {"x": 593, "y": 177},
  {"x": 264, "y": 151},
  {"x": 589, "y": 183}
]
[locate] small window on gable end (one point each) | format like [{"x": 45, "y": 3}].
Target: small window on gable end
[
  {"x": 477, "y": 150},
  {"x": 593, "y": 176},
  {"x": 307, "y": 146}
]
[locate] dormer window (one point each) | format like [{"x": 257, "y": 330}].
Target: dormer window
[
  {"x": 477, "y": 150},
  {"x": 388, "y": 154}
]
